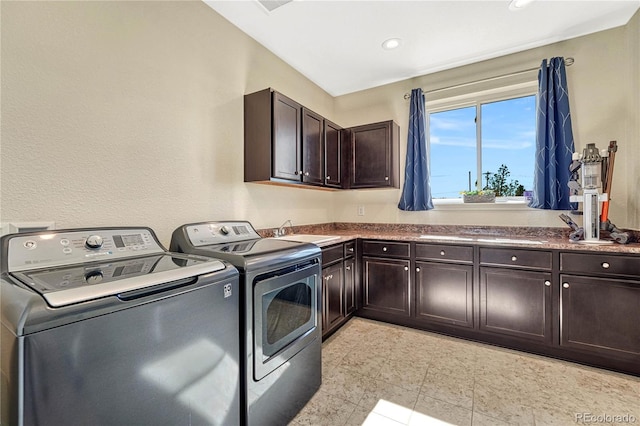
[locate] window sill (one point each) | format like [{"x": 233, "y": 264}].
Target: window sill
[{"x": 501, "y": 204}]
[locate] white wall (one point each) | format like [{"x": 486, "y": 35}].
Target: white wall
[{"x": 130, "y": 113}]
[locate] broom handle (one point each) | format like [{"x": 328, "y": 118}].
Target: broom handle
[{"x": 613, "y": 147}]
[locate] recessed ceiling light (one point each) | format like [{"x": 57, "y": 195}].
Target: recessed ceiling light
[
  {"x": 391, "y": 43},
  {"x": 519, "y": 4}
]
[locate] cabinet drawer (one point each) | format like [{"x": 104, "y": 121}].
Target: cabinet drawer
[
  {"x": 600, "y": 264},
  {"x": 331, "y": 254},
  {"x": 516, "y": 258},
  {"x": 444, "y": 252},
  {"x": 385, "y": 248},
  {"x": 349, "y": 249}
]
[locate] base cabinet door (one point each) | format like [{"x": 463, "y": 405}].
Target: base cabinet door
[
  {"x": 444, "y": 293},
  {"x": 386, "y": 286},
  {"x": 350, "y": 286},
  {"x": 516, "y": 303},
  {"x": 600, "y": 315},
  {"x": 333, "y": 290}
]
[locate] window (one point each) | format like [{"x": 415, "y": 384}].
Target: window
[{"x": 482, "y": 140}]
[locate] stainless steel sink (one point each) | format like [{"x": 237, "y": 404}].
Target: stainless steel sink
[
  {"x": 309, "y": 238},
  {"x": 482, "y": 240},
  {"x": 509, "y": 241}
]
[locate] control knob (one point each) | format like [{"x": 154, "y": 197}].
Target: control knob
[
  {"x": 224, "y": 230},
  {"x": 93, "y": 277},
  {"x": 94, "y": 242}
]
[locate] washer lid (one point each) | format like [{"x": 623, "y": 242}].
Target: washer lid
[{"x": 80, "y": 283}]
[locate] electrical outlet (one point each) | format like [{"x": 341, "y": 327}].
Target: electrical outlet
[{"x": 360, "y": 210}]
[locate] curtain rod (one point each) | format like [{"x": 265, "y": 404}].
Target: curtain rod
[{"x": 567, "y": 61}]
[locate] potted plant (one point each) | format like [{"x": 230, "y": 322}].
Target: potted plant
[{"x": 483, "y": 196}]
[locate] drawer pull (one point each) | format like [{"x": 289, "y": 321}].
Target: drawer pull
[
  {"x": 442, "y": 253},
  {"x": 565, "y": 285},
  {"x": 351, "y": 249},
  {"x": 406, "y": 268},
  {"x": 514, "y": 258},
  {"x": 547, "y": 283},
  {"x": 384, "y": 249},
  {"x": 348, "y": 268},
  {"x": 417, "y": 269},
  {"x": 605, "y": 265}
]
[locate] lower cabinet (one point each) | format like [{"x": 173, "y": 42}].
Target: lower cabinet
[
  {"x": 600, "y": 315},
  {"x": 444, "y": 293},
  {"x": 339, "y": 293},
  {"x": 516, "y": 303},
  {"x": 333, "y": 294},
  {"x": 386, "y": 285},
  {"x": 350, "y": 294}
]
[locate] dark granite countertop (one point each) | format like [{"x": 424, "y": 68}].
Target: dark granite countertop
[{"x": 534, "y": 238}]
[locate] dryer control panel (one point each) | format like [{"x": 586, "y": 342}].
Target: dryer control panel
[
  {"x": 209, "y": 233},
  {"x": 59, "y": 248}
]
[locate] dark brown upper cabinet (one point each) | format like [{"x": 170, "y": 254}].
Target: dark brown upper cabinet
[
  {"x": 272, "y": 132},
  {"x": 312, "y": 147},
  {"x": 284, "y": 142},
  {"x": 374, "y": 151},
  {"x": 287, "y": 124},
  {"x": 335, "y": 156}
]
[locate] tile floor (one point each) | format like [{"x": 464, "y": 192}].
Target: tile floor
[{"x": 382, "y": 374}]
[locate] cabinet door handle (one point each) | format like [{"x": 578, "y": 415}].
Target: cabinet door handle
[
  {"x": 351, "y": 249},
  {"x": 386, "y": 178},
  {"x": 328, "y": 178},
  {"x": 348, "y": 268},
  {"x": 417, "y": 269},
  {"x": 442, "y": 253},
  {"x": 547, "y": 283},
  {"x": 300, "y": 172},
  {"x": 514, "y": 258},
  {"x": 605, "y": 265},
  {"x": 384, "y": 249},
  {"x": 565, "y": 285},
  {"x": 306, "y": 173},
  {"x": 406, "y": 268}
]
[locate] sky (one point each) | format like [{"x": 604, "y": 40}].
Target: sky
[{"x": 508, "y": 137}]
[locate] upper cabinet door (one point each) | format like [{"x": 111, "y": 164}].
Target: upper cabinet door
[
  {"x": 374, "y": 155},
  {"x": 312, "y": 147},
  {"x": 286, "y": 138},
  {"x": 334, "y": 161}
]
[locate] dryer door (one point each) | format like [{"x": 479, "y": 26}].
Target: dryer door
[{"x": 286, "y": 311}]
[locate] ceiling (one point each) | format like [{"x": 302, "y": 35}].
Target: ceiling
[{"x": 338, "y": 44}]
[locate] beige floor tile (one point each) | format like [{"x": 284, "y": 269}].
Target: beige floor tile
[
  {"x": 389, "y": 400},
  {"x": 367, "y": 363},
  {"x": 374, "y": 419},
  {"x": 346, "y": 384},
  {"x": 404, "y": 374},
  {"x": 502, "y": 404},
  {"x": 455, "y": 389},
  {"x": 324, "y": 409},
  {"x": 430, "y": 411},
  {"x": 479, "y": 419}
]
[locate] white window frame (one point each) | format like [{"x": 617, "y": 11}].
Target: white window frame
[{"x": 444, "y": 102}]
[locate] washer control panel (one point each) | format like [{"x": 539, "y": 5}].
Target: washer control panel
[
  {"x": 205, "y": 234},
  {"x": 48, "y": 249}
]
